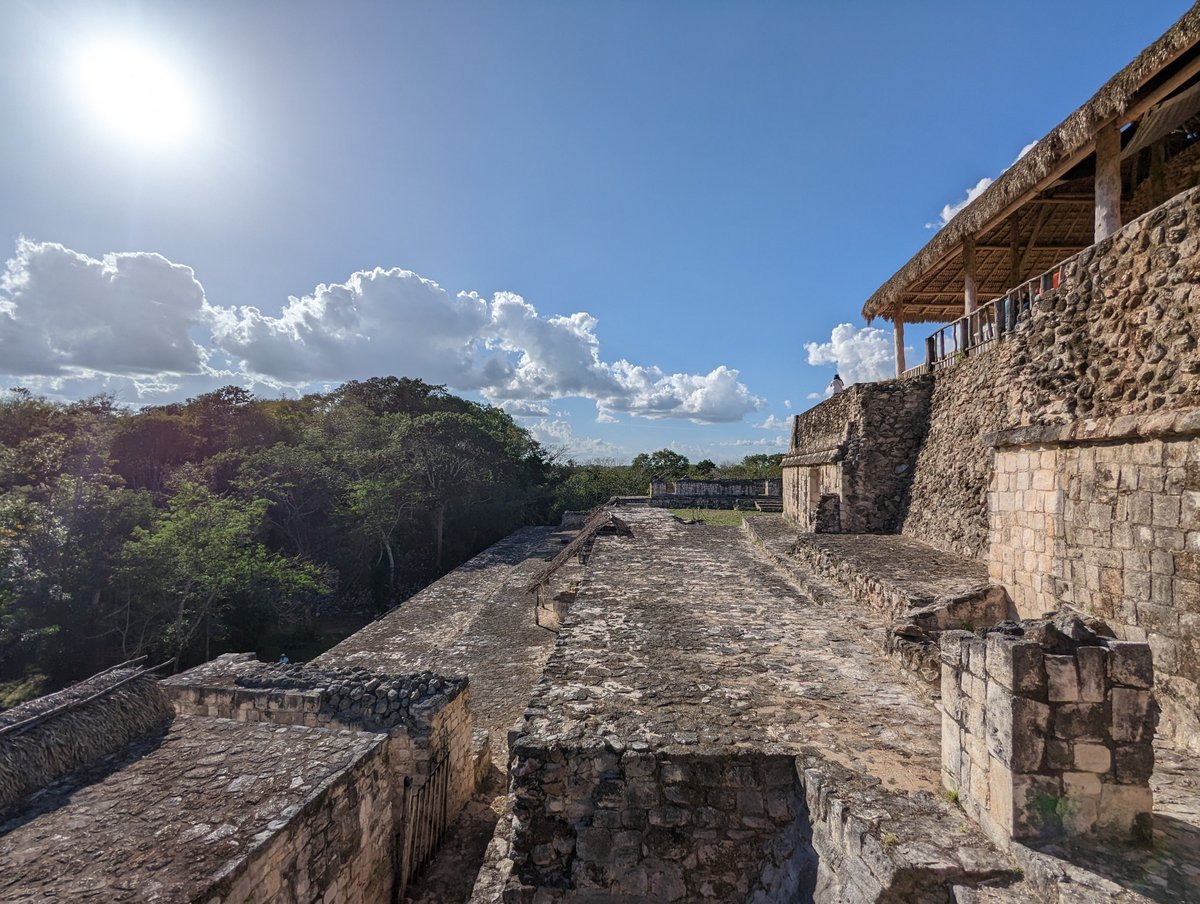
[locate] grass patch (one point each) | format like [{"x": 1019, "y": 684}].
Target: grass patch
[{"x": 718, "y": 516}]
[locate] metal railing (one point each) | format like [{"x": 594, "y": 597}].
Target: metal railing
[{"x": 991, "y": 322}]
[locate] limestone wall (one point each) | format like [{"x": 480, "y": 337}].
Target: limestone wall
[
  {"x": 337, "y": 847},
  {"x": 859, "y": 447},
  {"x": 1110, "y": 525}
]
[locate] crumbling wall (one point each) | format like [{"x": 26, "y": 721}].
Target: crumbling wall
[
  {"x": 860, "y": 446},
  {"x": 599, "y": 823},
  {"x": 1048, "y": 730}
]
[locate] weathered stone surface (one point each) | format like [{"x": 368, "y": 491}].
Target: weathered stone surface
[
  {"x": 210, "y": 808},
  {"x": 678, "y": 717}
]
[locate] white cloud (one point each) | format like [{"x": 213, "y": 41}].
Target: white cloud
[
  {"x": 949, "y": 211},
  {"x": 557, "y": 435},
  {"x": 815, "y": 395},
  {"x": 64, "y": 314},
  {"x": 774, "y": 423},
  {"x": 787, "y": 403},
  {"x": 859, "y": 354},
  {"x": 525, "y": 409}
]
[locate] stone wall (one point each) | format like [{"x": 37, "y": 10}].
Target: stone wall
[
  {"x": 1117, "y": 338},
  {"x": 616, "y": 824},
  {"x": 339, "y": 846},
  {"x": 1108, "y": 522},
  {"x": 1047, "y": 730},
  {"x": 721, "y": 493},
  {"x": 860, "y": 447},
  {"x": 47, "y": 738}
]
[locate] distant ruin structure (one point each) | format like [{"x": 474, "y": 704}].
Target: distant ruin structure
[{"x": 763, "y": 494}]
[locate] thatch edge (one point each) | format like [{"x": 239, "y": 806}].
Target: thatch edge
[{"x": 1070, "y": 137}]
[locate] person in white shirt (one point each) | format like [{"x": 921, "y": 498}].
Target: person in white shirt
[{"x": 837, "y": 385}]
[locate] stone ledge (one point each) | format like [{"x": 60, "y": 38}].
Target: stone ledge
[
  {"x": 822, "y": 457},
  {"x": 1098, "y": 430}
]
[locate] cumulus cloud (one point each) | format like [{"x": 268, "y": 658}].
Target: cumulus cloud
[
  {"x": 859, "y": 354},
  {"x": 64, "y": 314},
  {"x": 559, "y": 436},
  {"x": 141, "y": 317},
  {"x": 526, "y": 409},
  {"x": 394, "y": 321},
  {"x": 949, "y": 211},
  {"x": 774, "y": 423}
]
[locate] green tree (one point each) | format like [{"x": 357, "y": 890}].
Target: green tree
[{"x": 181, "y": 577}]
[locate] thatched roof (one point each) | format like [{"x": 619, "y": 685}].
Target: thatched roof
[{"x": 1045, "y": 195}]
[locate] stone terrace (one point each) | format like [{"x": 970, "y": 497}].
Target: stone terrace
[
  {"x": 690, "y": 680},
  {"x": 174, "y": 816},
  {"x": 476, "y": 621}
]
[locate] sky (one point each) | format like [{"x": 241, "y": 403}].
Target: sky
[{"x": 632, "y": 225}]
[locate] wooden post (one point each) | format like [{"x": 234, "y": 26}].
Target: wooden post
[
  {"x": 1108, "y": 181},
  {"x": 970, "y": 289},
  {"x": 1014, "y": 251},
  {"x": 898, "y": 328}
]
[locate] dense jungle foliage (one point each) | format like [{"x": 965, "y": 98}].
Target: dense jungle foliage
[{"x": 229, "y": 522}]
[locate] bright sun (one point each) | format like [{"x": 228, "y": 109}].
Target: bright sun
[{"x": 136, "y": 95}]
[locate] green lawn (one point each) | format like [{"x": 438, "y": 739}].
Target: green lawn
[{"x": 718, "y": 516}]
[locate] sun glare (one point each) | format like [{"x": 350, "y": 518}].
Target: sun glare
[{"x": 136, "y": 95}]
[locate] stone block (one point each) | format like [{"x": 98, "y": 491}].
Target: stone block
[
  {"x": 1093, "y": 673},
  {"x": 1080, "y": 721},
  {"x": 1015, "y": 664},
  {"x": 1133, "y": 763},
  {"x": 1125, "y": 809},
  {"x": 1062, "y": 679},
  {"x": 1059, "y": 755},
  {"x": 1037, "y": 805},
  {"x": 1080, "y": 807},
  {"x": 1130, "y": 664},
  {"x": 1016, "y": 729},
  {"x": 1131, "y": 715},
  {"x": 1092, "y": 757}
]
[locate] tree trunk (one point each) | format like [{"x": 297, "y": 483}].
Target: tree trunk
[{"x": 439, "y": 515}]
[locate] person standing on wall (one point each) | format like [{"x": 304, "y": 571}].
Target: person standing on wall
[{"x": 837, "y": 385}]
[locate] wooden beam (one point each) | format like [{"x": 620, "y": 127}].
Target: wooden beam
[
  {"x": 1108, "y": 181},
  {"x": 970, "y": 290},
  {"x": 898, "y": 330}
]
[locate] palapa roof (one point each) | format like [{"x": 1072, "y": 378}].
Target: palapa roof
[{"x": 1046, "y": 196}]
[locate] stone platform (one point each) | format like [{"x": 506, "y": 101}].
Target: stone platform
[
  {"x": 703, "y": 730},
  {"x": 176, "y": 816}
]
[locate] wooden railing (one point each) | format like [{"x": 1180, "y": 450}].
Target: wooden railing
[{"x": 991, "y": 322}]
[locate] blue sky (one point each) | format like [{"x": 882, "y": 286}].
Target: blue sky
[{"x": 652, "y": 207}]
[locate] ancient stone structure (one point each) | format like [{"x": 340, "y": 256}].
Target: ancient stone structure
[
  {"x": 1047, "y": 729},
  {"x": 851, "y": 458},
  {"x": 724, "y": 493}
]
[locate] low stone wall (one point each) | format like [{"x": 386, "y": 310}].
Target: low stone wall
[
  {"x": 860, "y": 447},
  {"x": 769, "y": 486},
  {"x": 339, "y": 845},
  {"x": 1048, "y": 729},
  {"x": 47, "y": 738}
]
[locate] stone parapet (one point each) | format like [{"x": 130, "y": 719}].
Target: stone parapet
[{"x": 1048, "y": 729}]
